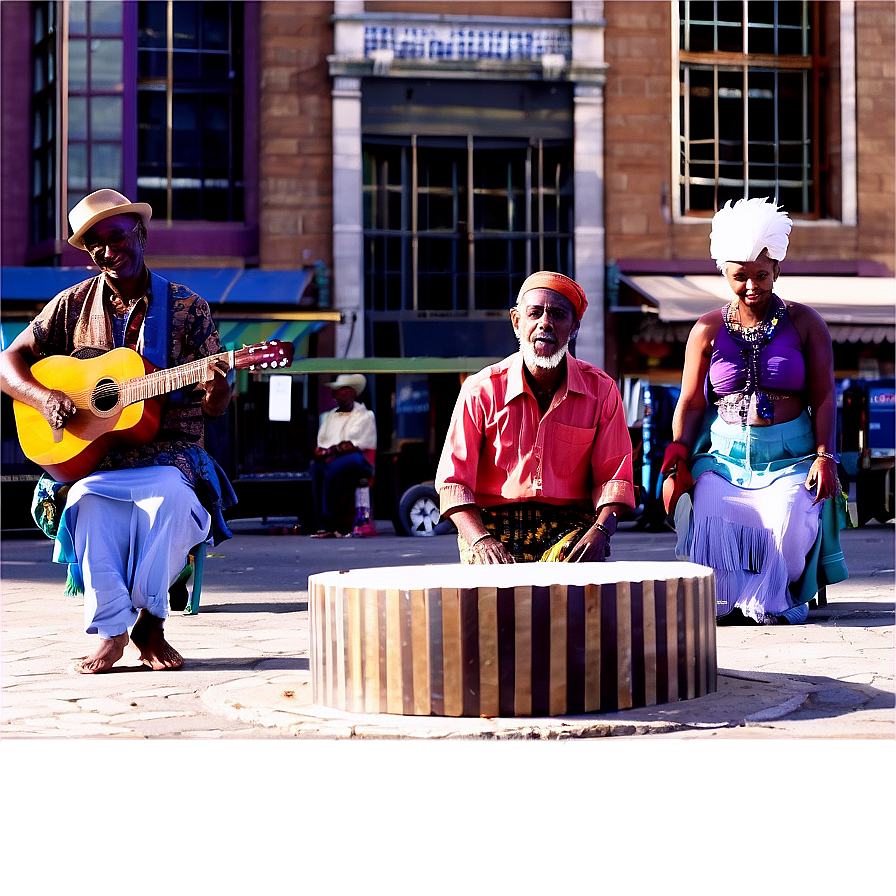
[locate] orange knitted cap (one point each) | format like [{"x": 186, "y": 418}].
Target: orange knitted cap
[{"x": 567, "y": 288}]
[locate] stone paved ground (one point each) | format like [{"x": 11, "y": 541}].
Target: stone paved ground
[{"x": 247, "y": 673}]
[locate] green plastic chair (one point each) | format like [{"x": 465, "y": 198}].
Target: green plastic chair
[
  {"x": 197, "y": 557},
  {"x": 192, "y": 574}
]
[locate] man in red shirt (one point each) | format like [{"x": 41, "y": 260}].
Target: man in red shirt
[{"x": 537, "y": 464}]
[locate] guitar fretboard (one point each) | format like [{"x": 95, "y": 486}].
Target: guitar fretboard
[{"x": 160, "y": 382}]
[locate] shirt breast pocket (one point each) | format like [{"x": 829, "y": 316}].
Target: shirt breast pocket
[
  {"x": 507, "y": 440},
  {"x": 570, "y": 448}
]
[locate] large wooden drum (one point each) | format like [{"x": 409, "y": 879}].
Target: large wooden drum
[{"x": 533, "y": 639}]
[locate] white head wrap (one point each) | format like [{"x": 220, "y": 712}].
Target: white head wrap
[{"x": 741, "y": 231}]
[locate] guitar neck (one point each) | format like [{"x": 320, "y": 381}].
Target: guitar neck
[{"x": 160, "y": 382}]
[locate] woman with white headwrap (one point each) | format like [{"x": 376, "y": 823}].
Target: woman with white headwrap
[{"x": 754, "y": 433}]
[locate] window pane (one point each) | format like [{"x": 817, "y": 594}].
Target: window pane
[
  {"x": 77, "y": 64},
  {"x": 40, "y": 22},
  {"x": 701, "y": 111},
  {"x": 186, "y": 66},
  {"x": 435, "y": 211},
  {"x": 185, "y": 125},
  {"x": 186, "y": 34},
  {"x": 761, "y": 39},
  {"x": 77, "y": 17},
  {"x": 185, "y": 203},
  {"x": 152, "y": 64},
  {"x": 152, "y": 25},
  {"x": 106, "y": 64},
  {"x": 214, "y": 67},
  {"x": 794, "y": 101},
  {"x": 105, "y": 18},
  {"x": 77, "y": 118},
  {"x": 105, "y": 117},
  {"x": 40, "y": 80},
  {"x": 105, "y": 166},
  {"x": 438, "y": 168},
  {"x": 77, "y": 167},
  {"x": 215, "y": 33},
  {"x": 796, "y": 199},
  {"x": 793, "y": 29},
  {"x": 215, "y": 131},
  {"x": 151, "y": 132},
  {"x": 731, "y": 108},
  {"x": 730, "y": 38},
  {"x": 491, "y": 212}
]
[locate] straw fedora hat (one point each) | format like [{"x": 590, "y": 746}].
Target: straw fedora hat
[
  {"x": 354, "y": 380},
  {"x": 99, "y": 205}
]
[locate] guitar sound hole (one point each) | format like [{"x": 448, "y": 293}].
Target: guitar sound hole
[{"x": 105, "y": 395}]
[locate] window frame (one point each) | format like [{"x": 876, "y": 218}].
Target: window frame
[
  {"x": 176, "y": 90},
  {"x": 812, "y": 64},
  {"x": 411, "y": 238}
]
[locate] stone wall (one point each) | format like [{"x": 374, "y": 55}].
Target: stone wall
[{"x": 876, "y": 94}]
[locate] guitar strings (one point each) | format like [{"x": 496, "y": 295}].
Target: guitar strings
[
  {"x": 147, "y": 385},
  {"x": 141, "y": 387}
]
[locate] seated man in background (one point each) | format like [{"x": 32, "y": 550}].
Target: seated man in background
[{"x": 339, "y": 463}]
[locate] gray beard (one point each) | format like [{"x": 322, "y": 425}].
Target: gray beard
[{"x": 531, "y": 359}]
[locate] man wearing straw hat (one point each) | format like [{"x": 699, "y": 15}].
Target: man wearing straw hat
[
  {"x": 339, "y": 464},
  {"x": 127, "y": 528},
  {"x": 537, "y": 464}
]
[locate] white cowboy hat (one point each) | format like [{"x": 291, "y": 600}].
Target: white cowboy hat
[
  {"x": 354, "y": 380},
  {"x": 99, "y": 205}
]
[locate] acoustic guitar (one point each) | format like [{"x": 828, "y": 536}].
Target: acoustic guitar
[{"x": 119, "y": 401}]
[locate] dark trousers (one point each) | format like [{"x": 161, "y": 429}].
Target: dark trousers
[{"x": 333, "y": 484}]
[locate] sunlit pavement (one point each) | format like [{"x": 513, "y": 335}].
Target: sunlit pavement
[{"x": 246, "y": 671}]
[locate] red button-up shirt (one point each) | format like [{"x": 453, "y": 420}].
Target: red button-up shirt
[{"x": 499, "y": 450}]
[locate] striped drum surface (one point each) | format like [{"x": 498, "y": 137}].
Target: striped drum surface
[{"x": 533, "y": 639}]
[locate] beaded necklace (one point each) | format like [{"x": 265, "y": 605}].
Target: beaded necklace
[{"x": 753, "y": 340}]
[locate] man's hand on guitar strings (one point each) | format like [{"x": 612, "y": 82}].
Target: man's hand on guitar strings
[
  {"x": 216, "y": 368},
  {"x": 58, "y": 408},
  {"x": 217, "y": 389}
]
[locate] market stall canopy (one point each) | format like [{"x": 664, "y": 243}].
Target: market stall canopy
[{"x": 856, "y": 309}]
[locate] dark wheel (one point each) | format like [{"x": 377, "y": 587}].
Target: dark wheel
[{"x": 418, "y": 513}]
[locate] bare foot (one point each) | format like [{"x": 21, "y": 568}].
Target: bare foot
[
  {"x": 109, "y": 653},
  {"x": 148, "y": 637}
]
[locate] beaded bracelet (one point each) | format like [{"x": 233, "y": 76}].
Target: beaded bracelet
[
  {"x": 825, "y": 454},
  {"x": 481, "y": 538}
]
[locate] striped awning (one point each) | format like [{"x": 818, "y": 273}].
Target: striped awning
[{"x": 244, "y": 331}]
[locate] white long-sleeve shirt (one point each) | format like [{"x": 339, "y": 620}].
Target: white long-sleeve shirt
[{"x": 357, "y": 426}]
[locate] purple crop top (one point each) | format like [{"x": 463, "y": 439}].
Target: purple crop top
[{"x": 782, "y": 367}]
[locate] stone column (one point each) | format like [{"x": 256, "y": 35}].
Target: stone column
[
  {"x": 348, "y": 245},
  {"x": 588, "y": 72}
]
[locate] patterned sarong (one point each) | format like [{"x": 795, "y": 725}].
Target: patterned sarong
[{"x": 532, "y": 531}]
